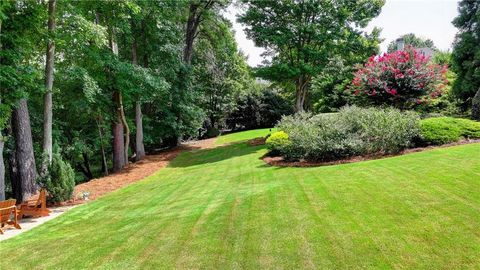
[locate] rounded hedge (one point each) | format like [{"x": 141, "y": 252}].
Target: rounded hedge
[{"x": 278, "y": 141}]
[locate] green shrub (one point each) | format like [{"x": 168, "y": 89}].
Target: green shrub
[
  {"x": 278, "y": 142},
  {"x": 60, "y": 180},
  {"x": 441, "y": 130},
  {"x": 351, "y": 131}
]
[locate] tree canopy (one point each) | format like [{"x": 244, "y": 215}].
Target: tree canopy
[{"x": 301, "y": 36}]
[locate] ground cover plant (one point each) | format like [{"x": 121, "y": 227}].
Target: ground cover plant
[
  {"x": 441, "y": 130},
  {"x": 224, "y": 208}
]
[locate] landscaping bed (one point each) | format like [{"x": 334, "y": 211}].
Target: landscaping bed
[{"x": 357, "y": 134}]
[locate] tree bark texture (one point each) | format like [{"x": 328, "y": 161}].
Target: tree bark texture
[
  {"x": 301, "y": 93},
  {"x": 25, "y": 159},
  {"x": 102, "y": 148},
  {"x": 118, "y": 144},
  {"x": 123, "y": 120},
  {"x": 140, "y": 148},
  {"x": 49, "y": 67},
  {"x": 121, "y": 124}
]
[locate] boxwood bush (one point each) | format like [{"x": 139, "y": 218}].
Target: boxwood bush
[
  {"x": 441, "y": 130},
  {"x": 60, "y": 180},
  {"x": 278, "y": 142},
  {"x": 351, "y": 131}
]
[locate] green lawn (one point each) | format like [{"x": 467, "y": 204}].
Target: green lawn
[
  {"x": 224, "y": 208},
  {"x": 245, "y": 135}
]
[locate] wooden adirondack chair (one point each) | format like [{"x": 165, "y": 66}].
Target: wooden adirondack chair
[
  {"x": 7, "y": 210},
  {"x": 36, "y": 207}
]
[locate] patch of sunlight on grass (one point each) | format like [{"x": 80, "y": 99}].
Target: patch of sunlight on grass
[{"x": 244, "y": 135}]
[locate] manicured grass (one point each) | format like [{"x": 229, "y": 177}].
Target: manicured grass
[
  {"x": 224, "y": 208},
  {"x": 244, "y": 135}
]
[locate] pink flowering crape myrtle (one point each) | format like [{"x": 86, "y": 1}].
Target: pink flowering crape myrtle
[{"x": 402, "y": 79}]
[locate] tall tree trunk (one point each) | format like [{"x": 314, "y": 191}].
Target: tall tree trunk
[
  {"x": 102, "y": 148},
  {"x": 118, "y": 144},
  {"x": 190, "y": 32},
  {"x": 300, "y": 93},
  {"x": 49, "y": 66},
  {"x": 121, "y": 124},
  {"x": 123, "y": 120},
  {"x": 25, "y": 158},
  {"x": 140, "y": 148},
  {"x": 13, "y": 172}
]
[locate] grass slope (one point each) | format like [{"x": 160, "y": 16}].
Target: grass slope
[{"x": 224, "y": 208}]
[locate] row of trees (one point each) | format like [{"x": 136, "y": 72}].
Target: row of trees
[{"x": 106, "y": 81}]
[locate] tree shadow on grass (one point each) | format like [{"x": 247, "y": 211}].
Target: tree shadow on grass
[{"x": 217, "y": 154}]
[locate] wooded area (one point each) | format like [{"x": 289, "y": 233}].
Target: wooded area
[{"x": 114, "y": 80}]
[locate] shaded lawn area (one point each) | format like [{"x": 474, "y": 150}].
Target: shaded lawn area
[
  {"x": 244, "y": 135},
  {"x": 224, "y": 208}
]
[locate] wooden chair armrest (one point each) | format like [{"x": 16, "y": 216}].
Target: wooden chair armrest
[{"x": 10, "y": 207}]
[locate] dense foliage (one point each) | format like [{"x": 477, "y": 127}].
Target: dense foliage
[
  {"x": 466, "y": 51},
  {"x": 402, "y": 79},
  {"x": 258, "y": 110},
  {"x": 129, "y": 77},
  {"x": 351, "y": 131},
  {"x": 441, "y": 130}
]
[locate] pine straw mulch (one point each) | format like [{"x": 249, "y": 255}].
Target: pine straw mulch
[
  {"x": 280, "y": 162},
  {"x": 135, "y": 172}
]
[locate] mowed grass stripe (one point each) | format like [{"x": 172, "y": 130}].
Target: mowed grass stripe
[{"x": 224, "y": 208}]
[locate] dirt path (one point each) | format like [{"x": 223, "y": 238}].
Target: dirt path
[{"x": 135, "y": 172}]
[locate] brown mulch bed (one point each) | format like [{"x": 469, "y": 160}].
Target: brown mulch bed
[
  {"x": 280, "y": 162},
  {"x": 134, "y": 172}
]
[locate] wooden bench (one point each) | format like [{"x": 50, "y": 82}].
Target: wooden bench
[
  {"x": 36, "y": 207},
  {"x": 7, "y": 211}
]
